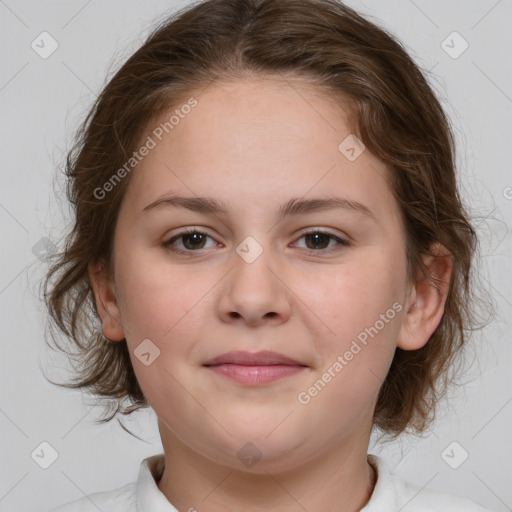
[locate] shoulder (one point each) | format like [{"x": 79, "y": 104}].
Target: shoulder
[
  {"x": 394, "y": 493},
  {"x": 117, "y": 500}
]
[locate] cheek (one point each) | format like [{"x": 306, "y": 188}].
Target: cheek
[
  {"x": 167, "y": 306},
  {"x": 364, "y": 317},
  {"x": 363, "y": 313},
  {"x": 157, "y": 299},
  {"x": 353, "y": 296}
]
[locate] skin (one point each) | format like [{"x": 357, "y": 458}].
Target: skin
[{"x": 254, "y": 145}]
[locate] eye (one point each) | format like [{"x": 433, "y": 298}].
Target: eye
[
  {"x": 320, "y": 240},
  {"x": 191, "y": 239}
]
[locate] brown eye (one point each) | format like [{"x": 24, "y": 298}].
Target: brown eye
[
  {"x": 190, "y": 241},
  {"x": 194, "y": 240},
  {"x": 318, "y": 241}
]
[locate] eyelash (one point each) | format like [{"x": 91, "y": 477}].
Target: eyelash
[{"x": 341, "y": 242}]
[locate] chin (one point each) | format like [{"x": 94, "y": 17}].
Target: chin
[{"x": 260, "y": 449}]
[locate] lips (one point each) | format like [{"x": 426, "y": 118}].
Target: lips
[
  {"x": 254, "y": 368},
  {"x": 263, "y": 358}
]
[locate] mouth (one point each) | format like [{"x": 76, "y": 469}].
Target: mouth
[{"x": 254, "y": 368}]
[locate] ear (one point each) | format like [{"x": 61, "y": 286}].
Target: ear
[
  {"x": 425, "y": 306},
  {"x": 106, "y": 302}
]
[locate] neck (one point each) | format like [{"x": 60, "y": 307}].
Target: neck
[{"x": 340, "y": 481}]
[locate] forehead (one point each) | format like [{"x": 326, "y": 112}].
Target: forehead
[{"x": 257, "y": 142}]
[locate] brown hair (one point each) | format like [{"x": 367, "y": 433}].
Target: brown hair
[{"x": 397, "y": 116}]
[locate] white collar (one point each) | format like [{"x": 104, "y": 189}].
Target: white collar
[{"x": 149, "y": 496}]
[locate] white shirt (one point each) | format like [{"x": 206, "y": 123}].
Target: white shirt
[{"x": 391, "y": 494}]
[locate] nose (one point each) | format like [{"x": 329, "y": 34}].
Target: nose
[{"x": 255, "y": 292}]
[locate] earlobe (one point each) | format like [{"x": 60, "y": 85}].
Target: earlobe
[
  {"x": 427, "y": 300},
  {"x": 106, "y": 302}
]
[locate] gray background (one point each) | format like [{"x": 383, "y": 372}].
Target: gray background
[{"x": 42, "y": 101}]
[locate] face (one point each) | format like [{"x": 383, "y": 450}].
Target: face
[{"x": 307, "y": 299}]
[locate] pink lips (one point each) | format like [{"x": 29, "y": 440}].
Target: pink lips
[{"x": 254, "y": 368}]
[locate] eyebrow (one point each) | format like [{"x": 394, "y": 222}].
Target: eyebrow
[{"x": 295, "y": 206}]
